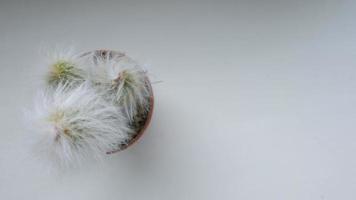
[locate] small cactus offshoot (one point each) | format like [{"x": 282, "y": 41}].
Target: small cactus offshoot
[{"x": 64, "y": 71}]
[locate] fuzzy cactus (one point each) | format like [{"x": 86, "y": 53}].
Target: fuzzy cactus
[
  {"x": 73, "y": 125},
  {"x": 65, "y": 66},
  {"x": 63, "y": 71},
  {"x": 124, "y": 81}
]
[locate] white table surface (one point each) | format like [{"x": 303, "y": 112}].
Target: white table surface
[{"x": 257, "y": 99}]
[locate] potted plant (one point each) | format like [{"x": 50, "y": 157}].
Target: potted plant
[{"x": 95, "y": 103}]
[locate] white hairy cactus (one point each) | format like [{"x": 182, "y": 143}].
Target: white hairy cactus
[
  {"x": 71, "y": 124},
  {"x": 124, "y": 81},
  {"x": 64, "y": 65}
]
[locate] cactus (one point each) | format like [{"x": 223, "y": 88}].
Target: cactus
[
  {"x": 73, "y": 125},
  {"x": 64, "y": 66},
  {"x": 64, "y": 71},
  {"x": 124, "y": 81}
]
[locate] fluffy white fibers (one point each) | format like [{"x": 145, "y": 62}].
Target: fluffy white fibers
[
  {"x": 64, "y": 65},
  {"x": 72, "y": 124},
  {"x": 123, "y": 79}
]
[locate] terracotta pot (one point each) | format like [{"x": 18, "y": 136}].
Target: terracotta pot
[{"x": 141, "y": 131}]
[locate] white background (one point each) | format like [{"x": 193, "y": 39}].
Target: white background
[{"x": 257, "y": 99}]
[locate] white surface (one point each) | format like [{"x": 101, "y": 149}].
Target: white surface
[{"x": 257, "y": 99}]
